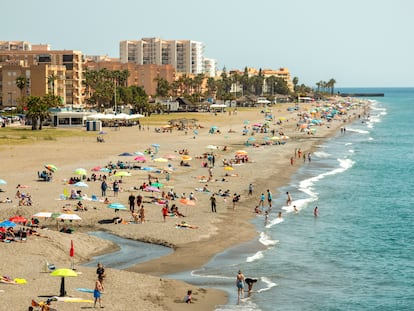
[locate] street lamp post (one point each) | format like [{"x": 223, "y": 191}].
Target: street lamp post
[{"x": 11, "y": 104}]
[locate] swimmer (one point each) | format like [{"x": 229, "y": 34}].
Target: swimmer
[
  {"x": 295, "y": 209},
  {"x": 316, "y": 212}
]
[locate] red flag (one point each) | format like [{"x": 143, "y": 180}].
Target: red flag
[{"x": 72, "y": 249}]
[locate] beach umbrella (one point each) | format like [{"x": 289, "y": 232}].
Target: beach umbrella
[
  {"x": 122, "y": 174},
  {"x": 241, "y": 152},
  {"x": 186, "y": 158},
  {"x": 63, "y": 273},
  {"x": 43, "y": 215},
  {"x": 246, "y": 122},
  {"x": 51, "y": 167},
  {"x": 274, "y": 138},
  {"x": 81, "y": 184},
  {"x": 7, "y": 223},
  {"x": 228, "y": 168},
  {"x": 152, "y": 189},
  {"x": 170, "y": 156},
  {"x": 18, "y": 219},
  {"x": 3, "y": 182},
  {"x": 160, "y": 160},
  {"x": 251, "y": 139},
  {"x": 105, "y": 170},
  {"x": 212, "y": 147},
  {"x": 125, "y": 154},
  {"x": 116, "y": 206},
  {"x": 147, "y": 168},
  {"x": 187, "y": 202},
  {"x": 139, "y": 153},
  {"x": 157, "y": 185},
  {"x": 66, "y": 216},
  {"x": 96, "y": 169},
  {"x": 155, "y": 145},
  {"x": 80, "y": 171},
  {"x": 140, "y": 159}
]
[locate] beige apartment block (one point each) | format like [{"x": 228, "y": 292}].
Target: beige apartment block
[{"x": 68, "y": 83}]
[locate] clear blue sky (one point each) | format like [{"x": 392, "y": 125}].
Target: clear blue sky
[{"x": 357, "y": 42}]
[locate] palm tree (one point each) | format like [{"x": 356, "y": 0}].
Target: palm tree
[
  {"x": 33, "y": 104},
  {"x": 21, "y": 83},
  {"x": 331, "y": 85},
  {"x": 295, "y": 82},
  {"x": 51, "y": 82}
]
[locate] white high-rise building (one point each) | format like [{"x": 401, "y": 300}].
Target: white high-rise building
[{"x": 185, "y": 55}]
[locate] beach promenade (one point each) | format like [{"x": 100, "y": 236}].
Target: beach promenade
[{"x": 269, "y": 166}]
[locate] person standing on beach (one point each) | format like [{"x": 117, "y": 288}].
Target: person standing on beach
[
  {"x": 97, "y": 293},
  {"x": 139, "y": 200},
  {"x": 104, "y": 186},
  {"x": 240, "y": 285},
  {"x": 115, "y": 187},
  {"x": 164, "y": 212},
  {"x": 250, "y": 189},
  {"x": 142, "y": 214},
  {"x": 269, "y": 198},
  {"x": 309, "y": 157},
  {"x": 131, "y": 200},
  {"x": 262, "y": 199},
  {"x": 213, "y": 203},
  {"x": 289, "y": 199}
]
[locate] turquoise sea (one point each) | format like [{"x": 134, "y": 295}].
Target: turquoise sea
[{"x": 358, "y": 254}]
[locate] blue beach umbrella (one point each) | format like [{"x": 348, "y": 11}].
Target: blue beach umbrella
[
  {"x": 105, "y": 170},
  {"x": 7, "y": 223},
  {"x": 81, "y": 184},
  {"x": 125, "y": 154},
  {"x": 3, "y": 182},
  {"x": 117, "y": 206},
  {"x": 147, "y": 168}
]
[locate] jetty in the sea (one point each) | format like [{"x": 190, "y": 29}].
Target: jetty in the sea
[{"x": 361, "y": 94}]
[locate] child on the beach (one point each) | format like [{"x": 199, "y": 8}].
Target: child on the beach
[{"x": 188, "y": 298}]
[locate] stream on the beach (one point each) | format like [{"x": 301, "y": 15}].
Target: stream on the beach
[{"x": 130, "y": 252}]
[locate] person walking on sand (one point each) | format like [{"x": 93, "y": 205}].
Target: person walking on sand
[
  {"x": 262, "y": 199},
  {"x": 269, "y": 198},
  {"x": 250, "y": 189},
  {"x": 289, "y": 199},
  {"x": 104, "y": 186},
  {"x": 240, "y": 285},
  {"x": 164, "y": 211},
  {"x": 213, "y": 203},
  {"x": 97, "y": 292},
  {"x": 131, "y": 200}
]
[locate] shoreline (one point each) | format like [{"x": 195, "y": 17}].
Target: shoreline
[{"x": 192, "y": 248}]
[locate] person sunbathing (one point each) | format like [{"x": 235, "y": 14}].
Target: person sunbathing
[{"x": 183, "y": 224}]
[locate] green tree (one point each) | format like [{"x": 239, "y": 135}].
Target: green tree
[
  {"x": 163, "y": 87},
  {"x": 36, "y": 111},
  {"x": 331, "y": 84},
  {"x": 21, "y": 83},
  {"x": 295, "y": 82}
]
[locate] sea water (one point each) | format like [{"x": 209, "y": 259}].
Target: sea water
[{"x": 358, "y": 254}]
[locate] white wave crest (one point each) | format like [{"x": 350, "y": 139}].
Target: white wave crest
[
  {"x": 266, "y": 240},
  {"x": 257, "y": 256},
  {"x": 268, "y": 282}
]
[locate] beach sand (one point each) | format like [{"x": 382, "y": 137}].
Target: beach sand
[{"x": 142, "y": 286}]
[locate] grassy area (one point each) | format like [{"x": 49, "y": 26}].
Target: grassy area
[
  {"x": 201, "y": 117},
  {"x": 22, "y": 135}
]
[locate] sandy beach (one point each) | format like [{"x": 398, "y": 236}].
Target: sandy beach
[{"x": 143, "y": 285}]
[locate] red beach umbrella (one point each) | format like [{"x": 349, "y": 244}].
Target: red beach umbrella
[{"x": 18, "y": 219}]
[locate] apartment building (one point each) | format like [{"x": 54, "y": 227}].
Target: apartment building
[
  {"x": 145, "y": 75},
  {"x": 35, "y": 65},
  {"x": 186, "y": 56}
]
